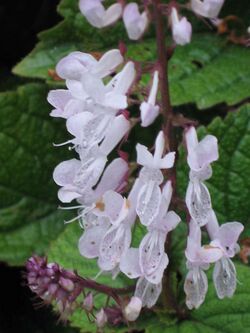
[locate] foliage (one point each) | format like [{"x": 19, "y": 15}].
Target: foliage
[{"x": 29, "y": 218}]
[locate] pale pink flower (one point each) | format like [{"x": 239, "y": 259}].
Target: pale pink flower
[
  {"x": 198, "y": 259},
  {"x": 97, "y": 15},
  {"x": 181, "y": 28},
  {"x": 200, "y": 156},
  {"x": 135, "y": 22},
  {"x": 207, "y": 8},
  {"x": 76, "y": 64},
  {"x": 149, "y": 198},
  {"x": 224, "y": 237},
  {"x": 149, "y": 110}
]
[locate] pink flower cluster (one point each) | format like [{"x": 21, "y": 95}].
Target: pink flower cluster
[{"x": 94, "y": 107}]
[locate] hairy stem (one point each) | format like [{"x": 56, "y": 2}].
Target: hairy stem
[
  {"x": 104, "y": 289},
  {"x": 171, "y": 144}
]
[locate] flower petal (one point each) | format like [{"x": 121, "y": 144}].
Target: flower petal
[
  {"x": 119, "y": 127},
  {"x": 113, "y": 13},
  {"x": 195, "y": 288},
  {"x": 113, "y": 176},
  {"x": 65, "y": 172},
  {"x": 148, "y": 203},
  {"x": 167, "y": 161},
  {"x": 94, "y": 12},
  {"x": 76, "y": 123},
  {"x": 157, "y": 275},
  {"x": 129, "y": 264},
  {"x": 115, "y": 242},
  {"x": 135, "y": 22},
  {"x": 68, "y": 193},
  {"x": 228, "y": 236},
  {"x": 58, "y": 98},
  {"x": 147, "y": 292},
  {"x": 224, "y": 277},
  {"x": 144, "y": 157},
  {"x": 107, "y": 64},
  {"x": 149, "y": 113},
  {"x": 90, "y": 241},
  {"x": 198, "y": 202}
]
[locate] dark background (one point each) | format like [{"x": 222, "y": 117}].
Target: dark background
[{"x": 20, "y": 21}]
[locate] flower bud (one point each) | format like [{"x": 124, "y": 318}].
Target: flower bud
[
  {"x": 149, "y": 110},
  {"x": 181, "y": 28},
  {"x": 101, "y": 319},
  {"x": 133, "y": 309},
  {"x": 135, "y": 23},
  {"x": 207, "y": 8},
  {"x": 53, "y": 284},
  {"x": 88, "y": 302},
  {"x": 66, "y": 284}
]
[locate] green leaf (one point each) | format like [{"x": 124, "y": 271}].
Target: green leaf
[
  {"x": 230, "y": 183},
  {"x": 206, "y": 72},
  {"x": 29, "y": 218}
]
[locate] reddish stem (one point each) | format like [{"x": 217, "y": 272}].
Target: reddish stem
[{"x": 168, "y": 129}]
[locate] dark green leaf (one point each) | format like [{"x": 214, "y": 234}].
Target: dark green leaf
[{"x": 29, "y": 218}]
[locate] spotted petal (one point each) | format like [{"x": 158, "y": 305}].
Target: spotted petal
[
  {"x": 90, "y": 241},
  {"x": 195, "y": 288},
  {"x": 198, "y": 202},
  {"x": 148, "y": 203},
  {"x": 147, "y": 292},
  {"x": 224, "y": 277},
  {"x": 129, "y": 264},
  {"x": 115, "y": 242}
]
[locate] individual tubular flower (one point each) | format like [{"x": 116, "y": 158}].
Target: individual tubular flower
[
  {"x": 135, "y": 22},
  {"x": 77, "y": 177},
  {"x": 97, "y": 15},
  {"x": 200, "y": 155},
  {"x": 181, "y": 28},
  {"x": 150, "y": 260},
  {"x": 149, "y": 111},
  {"x": 207, "y": 8},
  {"x": 133, "y": 309},
  {"x": 149, "y": 198},
  {"x": 198, "y": 259},
  {"x": 224, "y": 237},
  {"x": 76, "y": 64}
]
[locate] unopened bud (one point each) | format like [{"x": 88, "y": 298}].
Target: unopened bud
[
  {"x": 66, "y": 284},
  {"x": 181, "y": 28},
  {"x": 133, "y": 309},
  {"x": 101, "y": 319},
  {"x": 88, "y": 302}
]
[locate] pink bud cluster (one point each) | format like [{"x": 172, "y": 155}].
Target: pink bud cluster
[{"x": 53, "y": 284}]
